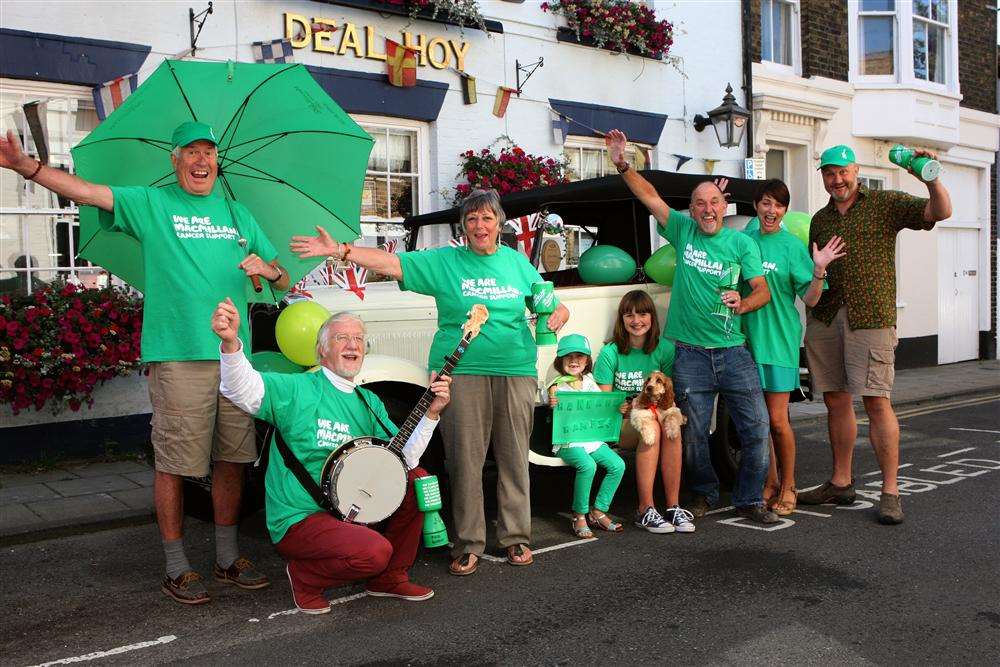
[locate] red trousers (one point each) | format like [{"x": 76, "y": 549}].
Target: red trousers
[{"x": 324, "y": 552}]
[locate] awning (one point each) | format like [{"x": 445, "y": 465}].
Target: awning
[
  {"x": 63, "y": 59},
  {"x": 640, "y": 126},
  {"x": 364, "y": 92}
]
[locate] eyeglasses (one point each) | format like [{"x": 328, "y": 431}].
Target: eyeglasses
[{"x": 342, "y": 339}]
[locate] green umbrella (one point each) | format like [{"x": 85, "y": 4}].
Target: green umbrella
[{"x": 286, "y": 151}]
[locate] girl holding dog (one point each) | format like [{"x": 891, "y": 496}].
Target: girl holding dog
[
  {"x": 624, "y": 364},
  {"x": 775, "y": 331},
  {"x": 574, "y": 364}
]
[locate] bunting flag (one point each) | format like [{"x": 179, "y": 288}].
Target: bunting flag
[
  {"x": 681, "y": 160},
  {"x": 457, "y": 243},
  {"x": 710, "y": 166},
  {"x": 274, "y": 51},
  {"x": 560, "y": 128},
  {"x": 352, "y": 278},
  {"x": 400, "y": 64},
  {"x": 525, "y": 229},
  {"x": 390, "y": 246},
  {"x": 110, "y": 96},
  {"x": 502, "y": 99},
  {"x": 468, "y": 89}
]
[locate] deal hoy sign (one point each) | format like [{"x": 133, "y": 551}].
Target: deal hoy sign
[{"x": 366, "y": 42}]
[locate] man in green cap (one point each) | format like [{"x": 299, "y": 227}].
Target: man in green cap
[
  {"x": 851, "y": 332},
  {"x": 198, "y": 248}
]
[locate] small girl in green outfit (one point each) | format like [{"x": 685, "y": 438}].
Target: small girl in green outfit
[{"x": 574, "y": 363}]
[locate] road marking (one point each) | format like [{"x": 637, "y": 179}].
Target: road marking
[
  {"x": 959, "y": 451},
  {"x": 916, "y": 412},
  {"x": 807, "y": 512},
  {"x": 975, "y": 430},
  {"x": 97, "y": 655},
  {"x": 554, "y": 547},
  {"x": 879, "y": 472},
  {"x": 719, "y": 510}
]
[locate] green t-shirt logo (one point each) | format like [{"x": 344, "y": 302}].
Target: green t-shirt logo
[
  {"x": 201, "y": 227},
  {"x": 331, "y": 434}
]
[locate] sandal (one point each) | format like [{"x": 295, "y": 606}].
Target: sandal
[
  {"x": 464, "y": 565},
  {"x": 519, "y": 555},
  {"x": 771, "y": 495},
  {"x": 583, "y": 532},
  {"x": 783, "y": 507},
  {"x": 598, "y": 519}
]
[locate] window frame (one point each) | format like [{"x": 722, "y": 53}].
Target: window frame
[
  {"x": 795, "y": 33},
  {"x": 577, "y": 143}
]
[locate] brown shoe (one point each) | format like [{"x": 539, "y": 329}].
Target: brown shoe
[
  {"x": 241, "y": 573},
  {"x": 890, "y": 511},
  {"x": 519, "y": 555},
  {"x": 699, "y": 507},
  {"x": 186, "y": 589},
  {"x": 828, "y": 493},
  {"x": 464, "y": 565}
]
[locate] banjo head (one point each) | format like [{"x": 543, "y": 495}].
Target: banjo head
[{"x": 367, "y": 476}]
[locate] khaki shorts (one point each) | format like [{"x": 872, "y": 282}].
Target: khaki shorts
[
  {"x": 858, "y": 361},
  {"x": 192, "y": 423}
]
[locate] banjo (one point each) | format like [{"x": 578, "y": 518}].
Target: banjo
[{"x": 364, "y": 481}]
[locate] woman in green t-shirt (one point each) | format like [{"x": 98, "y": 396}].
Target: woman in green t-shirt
[
  {"x": 635, "y": 351},
  {"x": 494, "y": 385},
  {"x": 775, "y": 330}
]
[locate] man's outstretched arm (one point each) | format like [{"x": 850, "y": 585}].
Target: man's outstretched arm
[
  {"x": 56, "y": 180},
  {"x": 644, "y": 191}
]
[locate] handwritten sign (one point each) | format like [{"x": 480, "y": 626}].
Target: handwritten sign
[{"x": 587, "y": 416}]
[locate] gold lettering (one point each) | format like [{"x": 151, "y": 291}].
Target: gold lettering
[
  {"x": 420, "y": 46},
  {"x": 322, "y": 39},
  {"x": 350, "y": 40},
  {"x": 291, "y": 32},
  {"x": 437, "y": 64},
  {"x": 460, "y": 50},
  {"x": 370, "y": 51}
]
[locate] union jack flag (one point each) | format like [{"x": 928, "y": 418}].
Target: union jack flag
[
  {"x": 525, "y": 228},
  {"x": 457, "y": 243},
  {"x": 353, "y": 278}
]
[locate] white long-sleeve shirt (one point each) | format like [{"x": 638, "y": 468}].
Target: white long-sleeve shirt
[{"x": 244, "y": 386}]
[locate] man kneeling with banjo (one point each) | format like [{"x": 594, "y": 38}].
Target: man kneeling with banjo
[{"x": 318, "y": 414}]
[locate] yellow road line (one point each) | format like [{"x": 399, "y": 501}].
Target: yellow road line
[{"x": 925, "y": 410}]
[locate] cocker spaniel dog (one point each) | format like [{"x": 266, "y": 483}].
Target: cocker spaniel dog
[{"x": 655, "y": 406}]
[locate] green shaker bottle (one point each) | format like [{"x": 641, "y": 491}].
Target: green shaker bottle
[
  {"x": 428, "y": 494},
  {"x": 925, "y": 168},
  {"x": 542, "y": 304}
]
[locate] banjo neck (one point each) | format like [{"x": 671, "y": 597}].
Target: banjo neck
[{"x": 424, "y": 404}]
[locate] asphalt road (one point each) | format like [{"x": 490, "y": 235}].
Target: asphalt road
[{"x": 830, "y": 585}]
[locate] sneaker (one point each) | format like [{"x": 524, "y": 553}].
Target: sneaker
[
  {"x": 242, "y": 574},
  {"x": 680, "y": 519},
  {"x": 186, "y": 589},
  {"x": 307, "y": 603},
  {"x": 890, "y": 511},
  {"x": 652, "y": 521},
  {"x": 699, "y": 507},
  {"x": 757, "y": 513},
  {"x": 828, "y": 493},
  {"x": 406, "y": 590}
]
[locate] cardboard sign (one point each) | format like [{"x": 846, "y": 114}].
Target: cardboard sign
[{"x": 587, "y": 416}]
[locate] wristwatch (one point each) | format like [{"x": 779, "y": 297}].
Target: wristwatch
[{"x": 622, "y": 168}]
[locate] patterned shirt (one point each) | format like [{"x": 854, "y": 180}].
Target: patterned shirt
[{"x": 865, "y": 279}]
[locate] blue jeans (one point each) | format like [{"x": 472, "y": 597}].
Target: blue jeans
[{"x": 701, "y": 374}]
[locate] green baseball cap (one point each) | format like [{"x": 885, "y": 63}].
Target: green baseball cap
[
  {"x": 573, "y": 343},
  {"x": 839, "y": 156},
  {"x": 192, "y": 131}
]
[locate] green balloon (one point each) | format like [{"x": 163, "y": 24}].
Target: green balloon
[
  {"x": 296, "y": 331},
  {"x": 273, "y": 362},
  {"x": 606, "y": 265},
  {"x": 661, "y": 265},
  {"x": 797, "y": 223}
]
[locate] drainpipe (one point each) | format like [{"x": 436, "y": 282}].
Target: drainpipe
[{"x": 748, "y": 74}]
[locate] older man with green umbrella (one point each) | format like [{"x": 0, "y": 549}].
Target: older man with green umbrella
[{"x": 197, "y": 248}]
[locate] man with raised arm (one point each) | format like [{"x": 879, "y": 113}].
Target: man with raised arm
[
  {"x": 197, "y": 247},
  {"x": 704, "y": 322}
]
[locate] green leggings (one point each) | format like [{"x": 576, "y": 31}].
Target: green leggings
[{"x": 586, "y": 467}]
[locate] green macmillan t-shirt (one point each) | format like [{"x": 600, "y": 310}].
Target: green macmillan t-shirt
[
  {"x": 315, "y": 419},
  {"x": 701, "y": 260},
  {"x": 191, "y": 252},
  {"x": 627, "y": 372},
  {"x": 458, "y": 278},
  {"x": 775, "y": 331}
]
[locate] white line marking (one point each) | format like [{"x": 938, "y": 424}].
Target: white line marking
[
  {"x": 960, "y": 451},
  {"x": 563, "y": 546},
  {"x": 719, "y": 510},
  {"x": 975, "y": 430},
  {"x": 97, "y": 655},
  {"x": 333, "y": 603},
  {"x": 807, "y": 512},
  {"x": 879, "y": 472},
  {"x": 493, "y": 559}
]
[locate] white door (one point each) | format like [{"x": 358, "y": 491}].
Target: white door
[{"x": 958, "y": 285}]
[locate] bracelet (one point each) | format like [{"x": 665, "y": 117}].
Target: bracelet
[
  {"x": 822, "y": 277},
  {"x": 623, "y": 169},
  {"x": 277, "y": 277},
  {"x": 35, "y": 172},
  {"x": 347, "y": 251}
]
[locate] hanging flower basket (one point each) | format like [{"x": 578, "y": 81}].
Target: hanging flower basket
[
  {"x": 57, "y": 344},
  {"x": 507, "y": 170},
  {"x": 459, "y": 12},
  {"x": 616, "y": 25}
]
